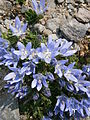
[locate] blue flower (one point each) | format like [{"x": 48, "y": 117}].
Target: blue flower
[
  {"x": 86, "y": 105},
  {"x": 50, "y": 76},
  {"x": 35, "y": 96},
  {"x": 18, "y": 30},
  {"x": 3, "y": 43},
  {"x": 28, "y": 68},
  {"x": 66, "y": 48},
  {"x": 59, "y": 67},
  {"x": 73, "y": 106},
  {"x": 47, "y": 92},
  {"x": 70, "y": 73},
  {"x": 2, "y": 53},
  {"x": 82, "y": 84},
  {"x": 60, "y": 105},
  {"x": 49, "y": 51},
  {"x": 39, "y": 79},
  {"x": 15, "y": 82},
  {"x": 11, "y": 58},
  {"x": 21, "y": 92},
  {"x": 69, "y": 87},
  {"x": 34, "y": 55},
  {"x": 86, "y": 69},
  {"x": 62, "y": 82},
  {"x": 15, "y": 76},
  {"x": 23, "y": 51},
  {"x": 17, "y": 89},
  {"x": 39, "y": 8}
]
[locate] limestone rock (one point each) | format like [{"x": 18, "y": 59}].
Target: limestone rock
[
  {"x": 53, "y": 24},
  {"x": 5, "y": 6},
  {"x": 47, "y": 32},
  {"x": 9, "y": 109},
  {"x": 60, "y": 1},
  {"x": 73, "y": 30},
  {"x": 83, "y": 15},
  {"x": 40, "y": 28},
  {"x": 51, "y": 4}
]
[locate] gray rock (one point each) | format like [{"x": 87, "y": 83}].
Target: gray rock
[
  {"x": 54, "y": 36},
  {"x": 24, "y": 8},
  {"x": 69, "y": 1},
  {"x": 53, "y": 24},
  {"x": 70, "y": 6},
  {"x": 40, "y": 28},
  {"x": 72, "y": 29},
  {"x": 47, "y": 32},
  {"x": 2, "y": 29},
  {"x": 79, "y": 1},
  {"x": 9, "y": 109},
  {"x": 87, "y": 1},
  {"x": 60, "y": 1},
  {"x": 51, "y": 4},
  {"x": 7, "y": 23},
  {"x": 83, "y": 15},
  {"x": 8, "y": 4},
  {"x": 5, "y": 4}
]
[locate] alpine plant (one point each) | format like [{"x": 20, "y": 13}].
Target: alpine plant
[{"x": 42, "y": 68}]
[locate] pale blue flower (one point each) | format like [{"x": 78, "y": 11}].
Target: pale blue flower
[
  {"x": 28, "y": 68},
  {"x": 2, "y": 53},
  {"x": 59, "y": 67},
  {"x": 18, "y": 30},
  {"x": 47, "y": 92},
  {"x": 23, "y": 51},
  {"x": 34, "y": 55},
  {"x": 60, "y": 105},
  {"x": 11, "y": 58},
  {"x": 66, "y": 48},
  {"x": 22, "y": 92},
  {"x": 3, "y": 43},
  {"x": 15, "y": 76},
  {"x": 86, "y": 69},
  {"x": 39, "y": 79},
  {"x": 49, "y": 51},
  {"x": 35, "y": 96},
  {"x": 70, "y": 73},
  {"x": 50, "y": 76},
  {"x": 39, "y": 8}
]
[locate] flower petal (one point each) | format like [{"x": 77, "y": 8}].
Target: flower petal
[
  {"x": 20, "y": 46},
  {"x": 24, "y": 28},
  {"x": 39, "y": 86},
  {"x": 28, "y": 47},
  {"x": 13, "y": 29},
  {"x": 9, "y": 76},
  {"x": 34, "y": 83},
  {"x": 17, "y": 23},
  {"x": 45, "y": 83}
]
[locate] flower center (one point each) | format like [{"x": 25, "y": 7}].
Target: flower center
[
  {"x": 24, "y": 52},
  {"x": 34, "y": 54},
  {"x": 39, "y": 81},
  {"x": 68, "y": 73},
  {"x": 47, "y": 54}
]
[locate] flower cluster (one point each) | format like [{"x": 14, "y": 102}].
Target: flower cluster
[{"x": 25, "y": 62}]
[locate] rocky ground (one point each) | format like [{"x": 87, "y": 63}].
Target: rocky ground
[{"x": 64, "y": 18}]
